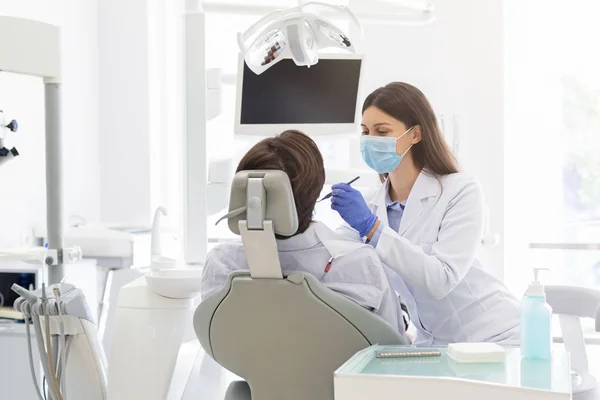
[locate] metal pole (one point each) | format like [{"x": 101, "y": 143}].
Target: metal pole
[
  {"x": 54, "y": 184},
  {"x": 565, "y": 246}
]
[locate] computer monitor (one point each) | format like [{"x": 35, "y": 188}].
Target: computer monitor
[
  {"x": 320, "y": 100},
  {"x": 26, "y": 276}
]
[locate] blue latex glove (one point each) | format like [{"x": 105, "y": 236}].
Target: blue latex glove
[{"x": 353, "y": 208}]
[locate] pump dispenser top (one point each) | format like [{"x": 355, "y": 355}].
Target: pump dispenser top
[{"x": 535, "y": 287}]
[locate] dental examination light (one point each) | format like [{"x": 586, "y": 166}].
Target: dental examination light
[{"x": 293, "y": 33}]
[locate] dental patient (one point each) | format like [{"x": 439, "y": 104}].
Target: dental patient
[{"x": 358, "y": 275}]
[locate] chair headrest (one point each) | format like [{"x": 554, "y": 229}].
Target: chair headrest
[{"x": 277, "y": 205}]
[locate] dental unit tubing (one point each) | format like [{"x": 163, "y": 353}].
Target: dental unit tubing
[{"x": 70, "y": 353}]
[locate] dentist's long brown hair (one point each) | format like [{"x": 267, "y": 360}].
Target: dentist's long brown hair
[{"x": 409, "y": 105}]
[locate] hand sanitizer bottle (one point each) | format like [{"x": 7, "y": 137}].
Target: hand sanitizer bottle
[{"x": 536, "y": 322}]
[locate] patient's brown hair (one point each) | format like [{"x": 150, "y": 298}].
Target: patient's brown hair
[{"x": 298, "y": 156}]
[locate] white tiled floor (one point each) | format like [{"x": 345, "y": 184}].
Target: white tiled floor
[{"x": 208, "y": 380}]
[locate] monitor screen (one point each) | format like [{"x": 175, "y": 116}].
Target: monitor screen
[
  {"x": 325, "y": 93},
  {"x": 24, "y": 279}
]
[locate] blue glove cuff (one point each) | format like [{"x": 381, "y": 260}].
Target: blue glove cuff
[{"x": 368, "y": 225}]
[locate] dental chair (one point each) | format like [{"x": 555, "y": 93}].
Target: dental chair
[{"x": 284, "y": 334}]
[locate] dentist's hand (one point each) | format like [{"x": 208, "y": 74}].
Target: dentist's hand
[{"x": 353, "y": 208}]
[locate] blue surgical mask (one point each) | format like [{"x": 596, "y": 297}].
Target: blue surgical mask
[{"x": 379, "y": 152}]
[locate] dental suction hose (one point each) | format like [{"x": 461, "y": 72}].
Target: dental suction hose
[
  {"x": 33, "y": 306},
  {"x": 52, "y": 378}
]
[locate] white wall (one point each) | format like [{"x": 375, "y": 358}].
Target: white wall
[
  {"x": 140, "y": 129},
  {"x": 124, "y": 107},
  {"x": 22, "y": 197},
  {"x": 457, "y": 61},
  {"x": 535, "y": 151}
]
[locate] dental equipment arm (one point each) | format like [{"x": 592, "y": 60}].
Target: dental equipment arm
[{"x": 397, "y": 12}]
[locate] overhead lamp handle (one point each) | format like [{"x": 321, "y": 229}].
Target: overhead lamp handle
[{"x": 242, "y": 37}]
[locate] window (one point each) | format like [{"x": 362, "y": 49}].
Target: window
[{"x": 553, "y": 141}]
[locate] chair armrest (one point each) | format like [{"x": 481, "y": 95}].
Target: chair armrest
[{"x": 574, "y": 300}]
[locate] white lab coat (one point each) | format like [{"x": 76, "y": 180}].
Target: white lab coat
[{"x": 449, "y": 295}]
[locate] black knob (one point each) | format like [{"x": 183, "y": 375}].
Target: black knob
[
  {"x": 5, "y": 152},
  {"x": 13, "y": 126}
]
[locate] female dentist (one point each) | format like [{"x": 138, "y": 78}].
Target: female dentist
[{"x": 426, "y": 223}]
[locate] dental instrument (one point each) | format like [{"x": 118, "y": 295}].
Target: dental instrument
[
  {"x": 331, "y": 193},
  {"x": 51, "y": 377},
  {"x": 62, "y": 357},
  {"x": 408, "y": 352}
]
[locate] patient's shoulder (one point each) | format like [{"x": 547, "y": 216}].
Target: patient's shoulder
[
  {"x": 226, "y": 247},
  {"x": 367, "y": 255},
  {"x": 362, "y": 264},
  {"x": 364, "y": 251},
  {"x": 229, "y": 253}
]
